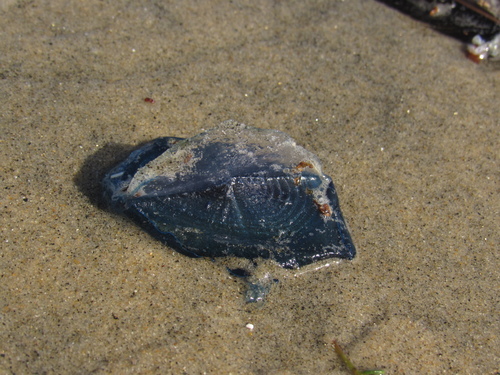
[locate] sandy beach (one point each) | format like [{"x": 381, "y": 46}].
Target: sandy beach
[{"x": 405, "y": 125}]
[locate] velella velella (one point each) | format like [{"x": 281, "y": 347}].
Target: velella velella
[
  {"x": 476, "y": 21},
  {"x": 234, "y": 190}
]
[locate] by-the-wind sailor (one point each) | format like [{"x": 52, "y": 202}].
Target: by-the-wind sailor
[{"x": 234, "y": 190}]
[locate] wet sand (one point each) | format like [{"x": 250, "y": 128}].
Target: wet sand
[{"x": 406, "y": 126}]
